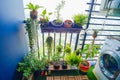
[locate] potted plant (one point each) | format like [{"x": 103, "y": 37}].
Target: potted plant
[
  {"x": 56, "y": 61},
  {"x": 33, "y": 12},
  {"x": 73, "y": 60},
  {"x": 49, "y": 42},
  {"x": 40, "y": 67},
  {"x": 58, "y": 22},
  {"x": 68, "y": 23},
  {"x": 26, "y": 66},
  {"x": 45, "y": 18},
  {"x": 64, "y": 65},
  {"x": 90, "y": 50},
  {"x": 79, "y": 20}
]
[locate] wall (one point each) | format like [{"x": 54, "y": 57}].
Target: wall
[{"x": 12, "y": 41}]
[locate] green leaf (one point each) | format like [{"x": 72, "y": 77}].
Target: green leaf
[
  {"x": 37, "y": 7},
  {"x": 44, "y": 12}
]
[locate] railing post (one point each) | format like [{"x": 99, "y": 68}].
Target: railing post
[
  {"x": 76, "y": 43},
  {"x": 89, "y": 17}
]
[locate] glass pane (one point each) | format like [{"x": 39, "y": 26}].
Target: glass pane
[{"x": 110, "y": 63}]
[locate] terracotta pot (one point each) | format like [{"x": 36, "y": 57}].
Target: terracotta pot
[
  {"x": 84, "y": 66},
  {"x": 68, "y": 23},
  {"x": 33, "y": 14}
]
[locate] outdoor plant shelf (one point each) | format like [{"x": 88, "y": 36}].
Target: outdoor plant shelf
[{"x": 61, "y": 29}]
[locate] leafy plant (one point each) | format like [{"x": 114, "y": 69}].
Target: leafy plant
[
  {"x": 33, "y": 7},
  {"x": 67, "y": 49},
  {"x": 33, "y": 12},
  {"x": 90, "y": 52},
  {"x": 31, "y": 28},
  {"x": 30, "y": 64},
  {"x": 73, "y": 59},
  {"x": 91, "y": 49},
  {"x": 56, "y": 58},
  {"x": 64, "y": 63},
  {"x": 49, "y": 42},
  {"x": 27, "y": 65},
  {"x": 45, "y": 15},
  {"x": 78, "y": 52},
  {"x": 59, "y": 49},
  {"x": 80, "y": 19}
]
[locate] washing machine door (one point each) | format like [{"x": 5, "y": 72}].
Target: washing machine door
[{"x": 109, "y": 63}]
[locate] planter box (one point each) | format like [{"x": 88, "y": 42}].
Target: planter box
[{"x": 62, "y": 29}]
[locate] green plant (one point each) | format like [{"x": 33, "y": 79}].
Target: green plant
[
  {"x": 59, "y": 49},
  {"x": 31, "y": 28},
  {"x": 49, "y": 42},
  {"x": 27, "y": 65},
  {"x": 73, "y": 59},
  {"x": 90, "y": 52},
  {"x": 56, "y": 57},
  {"x": 33, "y": 8},
  {"x": 91, "y": 49},
  {"x": 45, "y": 15},
  {"x": 78, "y": 52},
  {"x": 67, "y": 49},
  {"x": 80, "y": 19},
  {"x": 64, "y": 63},
  {"x": 58, "y": 9},
  {"x": 30, "y": 64}
]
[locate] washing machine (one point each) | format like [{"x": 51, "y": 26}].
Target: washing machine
[{"x": 108, "y": 63}]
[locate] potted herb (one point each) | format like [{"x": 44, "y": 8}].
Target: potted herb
[
  {"x": 56, "y": 57},
  {"x": 56, "y": 61},
  {"x": 79, "y": 20},
  {"x": 58, "y": 22},
  {"x": 45, "y": 18},
  {"x": 33, "y": 12},
  {"x": 49, "y": 42},
  {"x": 90, "y": 50},
  {"x": 73, "y": 60}
]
